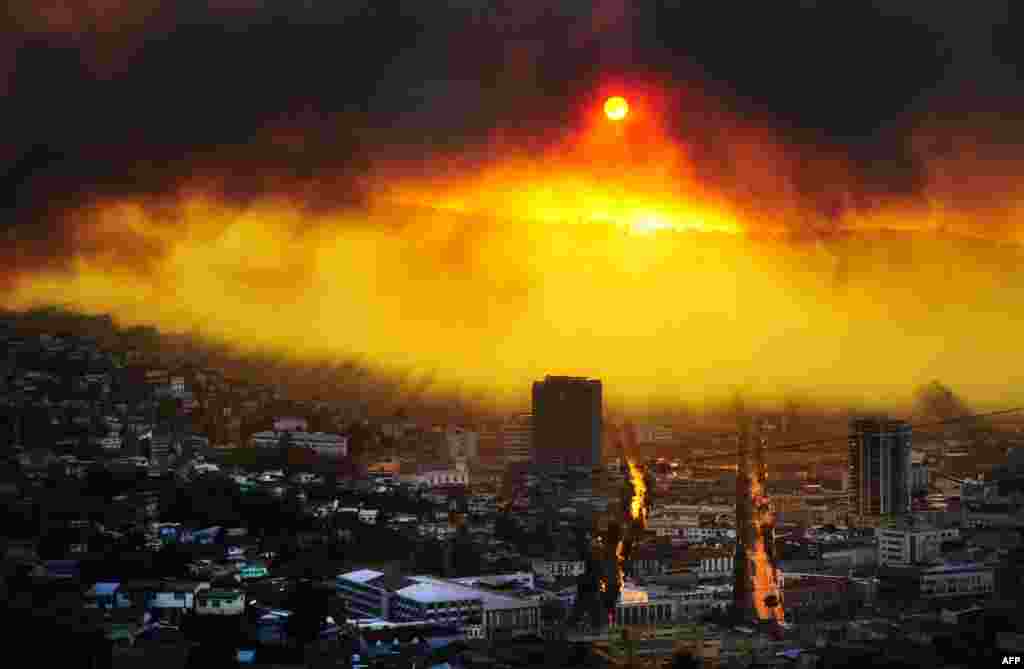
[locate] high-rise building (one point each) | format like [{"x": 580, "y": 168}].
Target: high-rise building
[
  {"x": 462, "y": 444},
  {"x": 880, "y": 464},
  {"x": 567, "y": 422},
  {"x": 489, "y": 444},
  {"x": 517, "y": 439}
]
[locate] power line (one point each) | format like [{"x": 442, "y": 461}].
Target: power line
[{"x": 797, "y": 446}]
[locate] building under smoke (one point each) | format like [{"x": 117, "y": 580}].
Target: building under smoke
[
  {"x": 880, "y": 465},
  {"x": 516, "y": 439},
  {"x": 567, "y": 423}
]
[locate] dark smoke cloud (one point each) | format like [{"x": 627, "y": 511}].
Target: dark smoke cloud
[
  {"x": 107, "y": 99},
  {"x": 939, "y": 402}
]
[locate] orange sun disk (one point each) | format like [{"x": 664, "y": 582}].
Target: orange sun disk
[{"x": 616, "y": 108}]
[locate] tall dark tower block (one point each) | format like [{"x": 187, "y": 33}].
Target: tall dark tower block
[{"x": 567, "y": 422}]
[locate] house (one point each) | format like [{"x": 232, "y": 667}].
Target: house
[
  {"x": 204, "y": 537},
  {"x": 252, "y": 570},
  {"x": 220, "y": 602},
  {"x": 121, "y": 635},
  {"x": 58, "y": 570},
  {"x": 165, "y": 598}
]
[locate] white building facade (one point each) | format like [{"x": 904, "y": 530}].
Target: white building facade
[
  {"x": 904, "y": 547},
  {"x": 958, "y": 579},
  {"x": 396, "y": 598}
]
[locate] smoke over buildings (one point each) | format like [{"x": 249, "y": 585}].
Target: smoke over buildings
[{"x": 422, "y": 214}]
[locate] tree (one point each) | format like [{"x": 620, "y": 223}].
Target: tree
[
  {"x": 167, "y": 409},
  {"x": 467, "y": 560},
  {"x": 309, "y": 606},
  {"x": 284, "y": 444},
  {"x": 553, "y": 611},
  {"x": 684, "y": 660}
]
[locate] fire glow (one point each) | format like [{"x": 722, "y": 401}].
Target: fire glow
[
  {"x": 638, "y": 508},
  {"x": 605, "y": 254},
  {"x": 638, "y": 503}
]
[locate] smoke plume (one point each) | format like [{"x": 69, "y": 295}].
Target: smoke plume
[{"x": 443, "y": 205}]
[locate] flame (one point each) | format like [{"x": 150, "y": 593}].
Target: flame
[
  {"x": 620, "y": 561},
  {"x": 765, "y": 574},
  {"x": 638, "y": 503},
  {"x": 638, "y": 518}
]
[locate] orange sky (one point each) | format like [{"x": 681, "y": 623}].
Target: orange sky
[{"x": 604, "y": 256}]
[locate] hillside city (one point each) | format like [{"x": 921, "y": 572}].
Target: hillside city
[{"x": 161, "y": 510}]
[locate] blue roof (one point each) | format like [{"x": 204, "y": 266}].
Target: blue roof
[{"x": 107, "y": 588}]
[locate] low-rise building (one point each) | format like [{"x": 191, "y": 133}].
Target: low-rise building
[
  {"x": 951, "y": 579},
  {"x": 556, "y": 568},
  {"x": 707, "y": 563},
  {"x": 291, "y": 424},
  {"x": 638, "y": 606},
  {"x": 433, "y": 477},
  {"x": 907, "y": 546},
  {"x": 810, "y": 593},
  {"x": 694, "y": 602},
  {"x": 321, "y": 443},
  {"x": 220, "y": 602},
  {"x": 166, "y": 598},
  {"x": 106, "y": 595},
  {"x": 373, "y": 594},
  {"x": 440, "y": 530},
  {"x": 461, "y": 444},
  {"x": 252, "y": 570}
]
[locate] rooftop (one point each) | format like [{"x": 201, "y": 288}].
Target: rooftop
[
  {"x": 428, "y": 589},
  {"x": 954, "y": 567},
  {"x": 361, "y": 575},
  {"x": 390, "y": 582},
  {"x": 101, "y": 589}
]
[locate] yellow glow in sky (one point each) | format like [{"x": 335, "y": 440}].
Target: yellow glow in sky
[{"x": 597, "y": 259}]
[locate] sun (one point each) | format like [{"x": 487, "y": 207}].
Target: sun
[{"x": 616, "y": 108}]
